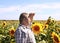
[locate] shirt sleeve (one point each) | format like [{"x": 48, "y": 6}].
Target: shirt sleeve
[{"x": 31, "y": 37}]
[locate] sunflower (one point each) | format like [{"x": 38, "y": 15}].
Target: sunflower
[
  {"x": 48, "y": 21},
  {"x": 46, "y": 26},
  {"x": 51, "y": 20},
  {"x": 12, "y": 31},
  {"x": 4, "y": 24},
  {"x": 36, "y": 28},
  {"x": 55, "y": 37}
]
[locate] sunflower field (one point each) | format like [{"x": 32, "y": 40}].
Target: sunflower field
[
  {"x": 7, "y": 29},
  {"x": 45, "y": 31}
]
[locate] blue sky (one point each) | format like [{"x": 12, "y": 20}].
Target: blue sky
[{"x": 11, "y": 9}]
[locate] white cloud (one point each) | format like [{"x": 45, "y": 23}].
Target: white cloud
[
  {"x": 45, "y": 17},
  {"x": 8, "y": 9},
  {"x": 37, "y": 8},
  {"x": 31, "y": 7}
]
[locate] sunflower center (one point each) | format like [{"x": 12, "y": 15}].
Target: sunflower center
[
  {"x": 3, "y": 23},
  {"x": 56, "y": 39},
  {"x": 36, "y": 28},
  {"x": 12, "y": 31}
]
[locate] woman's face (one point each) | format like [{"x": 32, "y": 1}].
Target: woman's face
[{"x": 27, "y": 20}]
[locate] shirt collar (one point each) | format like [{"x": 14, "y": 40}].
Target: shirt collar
[{"x": 25, "y": 27}]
